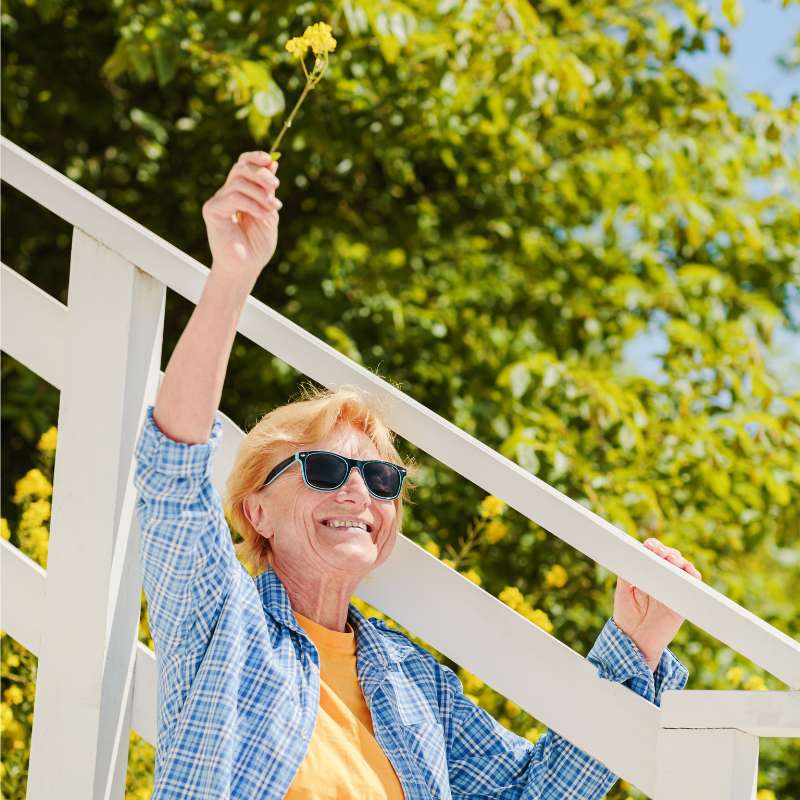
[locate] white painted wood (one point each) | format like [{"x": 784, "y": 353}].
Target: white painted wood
[
  {"x": 706, "y": 765},
  {"x": 22, "y": 583},
  {"x": 93, "y": 587},
  {"x": 756, "y": 713},
  {"x": 26, "y": 308},
  {"x": 144, "y": 713},
  {"x": 586, "y": 531},
  {"x": 22, "y": 595}
]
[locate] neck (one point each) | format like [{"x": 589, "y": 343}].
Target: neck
[{"x": 323, "y": 598}]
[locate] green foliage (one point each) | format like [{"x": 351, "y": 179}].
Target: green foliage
[{"x": 485, "y": 203}]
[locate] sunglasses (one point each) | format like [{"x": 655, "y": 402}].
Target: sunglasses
[{"x": 326, "y": 472}]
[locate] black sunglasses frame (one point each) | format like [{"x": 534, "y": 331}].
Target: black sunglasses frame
[{"x": 359, "y": 464}]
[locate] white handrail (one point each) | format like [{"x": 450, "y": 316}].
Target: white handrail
[{"x": 586, "y": 531}]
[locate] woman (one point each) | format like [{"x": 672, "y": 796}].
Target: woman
[{"x": 276, "y": 686}]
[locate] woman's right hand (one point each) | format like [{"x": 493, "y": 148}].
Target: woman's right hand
[{"x": 242, "y": 249}]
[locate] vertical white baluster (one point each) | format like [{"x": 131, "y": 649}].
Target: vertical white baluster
[
  {"x": 81, "y": 724},
  {"x": 706, "y": 764}
]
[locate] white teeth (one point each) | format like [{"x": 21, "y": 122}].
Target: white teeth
[{"x": 345, "y": 523}]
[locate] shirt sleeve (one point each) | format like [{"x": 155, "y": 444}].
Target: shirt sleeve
[
  {"x": 487, "y": 760},
  {"x": 185, "y": 546}
]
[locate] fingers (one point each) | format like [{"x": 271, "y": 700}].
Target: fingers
[
  {"x": 255, "y": 191},
  {"x": 672, "y": 555}
]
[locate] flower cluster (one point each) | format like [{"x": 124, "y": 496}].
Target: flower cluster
[
  {"x": 514, "y": 598},
  {"x": 318, "y": 37},
  {"x": 492, "y": 506},
  {"x": 556, "y": 576}
]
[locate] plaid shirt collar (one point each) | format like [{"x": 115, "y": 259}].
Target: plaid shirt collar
[{"x": 375, "y": 650}]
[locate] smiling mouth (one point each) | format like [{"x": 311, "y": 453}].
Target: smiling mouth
[{"x": 369, "y": 530}]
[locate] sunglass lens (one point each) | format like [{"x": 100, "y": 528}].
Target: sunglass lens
[
  {"x": 382, "y": 478},
  {"x": 325, "y": 471}
]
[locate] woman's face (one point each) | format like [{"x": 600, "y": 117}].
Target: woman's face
[{"x": 294, "y": 515}]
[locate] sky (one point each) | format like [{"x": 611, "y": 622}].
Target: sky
[{"x": 765, "y": 32}]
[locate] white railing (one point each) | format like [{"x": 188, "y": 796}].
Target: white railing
[{"x": 95, "y": 681}]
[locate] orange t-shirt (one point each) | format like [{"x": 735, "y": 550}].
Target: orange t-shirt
[{"x": 344, "y": 760}]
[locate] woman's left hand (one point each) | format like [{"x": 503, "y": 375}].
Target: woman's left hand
[{"x": 650, "y": 624}]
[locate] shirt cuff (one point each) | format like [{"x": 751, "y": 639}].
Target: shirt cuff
[
  {"x": 618, "y": 659},
  {"x": 180, "y": 459}
]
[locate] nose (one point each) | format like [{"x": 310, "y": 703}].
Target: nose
[{"x": 354, "y": 486}]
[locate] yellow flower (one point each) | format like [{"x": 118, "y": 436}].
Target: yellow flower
[
  {"x": 48, "y": 440},
  {"x": 433, "y": 548},
  {"x": 512, "y": 709},
  {"x": 319, "y": 38},
  {"x": 472, "y": 683},
  {"x": 765, "y": 794},
  {"x": 755, "y": 683},
  {"x": 538, "y": 617},
  {"x": 492, "y": 506},
  {"x": 532, "y": 734},
  {"x": 12, "y": 660},
  {"x": 512, "y": 597},
  {"x": 13, "y": 695},
  {"x": 297, "y": 46},
  {"x": 556, "y": 576},
  {"x": 33, "y": 484},
  {"x": 472, "y": 575},
  {"x": 734, "y": 675},
  {"x": 495, "y": 531},
  {"x": 5, "y": 531},
  {"x": 449, "y": 562},
  {"x": 35, "y": 514}
]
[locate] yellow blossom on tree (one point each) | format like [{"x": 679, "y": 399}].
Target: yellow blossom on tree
[
  {"x": 449, "y": 562},
  {"x": 48, "y": 440},
  {"x": 5, "y": 531},
  {"x": 765, "y": 794},
  {"x": 755, "y": 683},
  {"x": 472, "y": 575},
  {"x": 13, "y": 695},
  {"x": 35, "y": 514},
  {"x": 433, "y": 548},
  {"x": 492, "y": 506},
  {"x": 734, "y": 675},
  {"x": 533, "y": 734},
  {"x": 32, "y": 484},
  {"x": 512, "y": 709},
  {"x": 512, "y": 597},
  {"x": 556, "y": 576},
  {"x": 472, "y": 683},
  {"x": 538, "y": 617},
  {"x": 495, "y": 531},
  {"x": 12, "y": 660}
]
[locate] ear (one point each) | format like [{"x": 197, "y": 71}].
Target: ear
[{"x": 257, "y": 515}]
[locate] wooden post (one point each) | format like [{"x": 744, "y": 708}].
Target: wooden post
[{"x": 80, "y": 738}]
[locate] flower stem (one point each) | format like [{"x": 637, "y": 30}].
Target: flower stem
[{"x": 311, "y": 82}]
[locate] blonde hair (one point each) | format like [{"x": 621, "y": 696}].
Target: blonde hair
[{"x": 298, "y": 424}]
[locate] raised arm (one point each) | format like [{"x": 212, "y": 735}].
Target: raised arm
[
  {"x": 188, "y": 562},
  {"x": 192, "y": 387}
]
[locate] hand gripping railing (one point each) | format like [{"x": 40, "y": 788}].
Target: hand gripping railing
[{"x": 95, "y": 681}]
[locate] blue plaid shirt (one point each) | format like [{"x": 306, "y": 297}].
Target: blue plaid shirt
[{"x": 238, "y": 678}]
